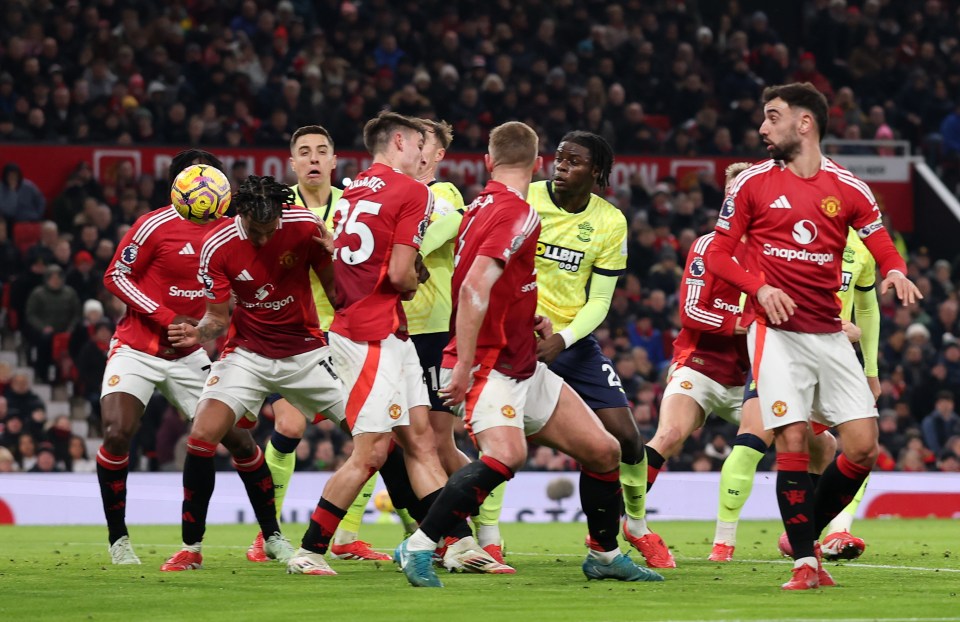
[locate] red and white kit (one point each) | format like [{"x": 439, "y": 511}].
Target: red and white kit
[
  {"x": 709, "y": 362},
  {"x": 274, "y": 343},
  {"x": 510, "y": 388},
  {"x": 382, "y": 207},
  {"x": 796, "y": 231},
  {"x": 154, "y": 272}
]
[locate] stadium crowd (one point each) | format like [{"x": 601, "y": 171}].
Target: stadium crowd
[{"x": 667, "y": 77}]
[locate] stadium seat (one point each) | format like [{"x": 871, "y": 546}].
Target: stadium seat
[
  {"x": 659, "y": 122},
  {"x": 26, "y": 234}
]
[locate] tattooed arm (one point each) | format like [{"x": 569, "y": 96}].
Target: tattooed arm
[{"x": 213, "y": 324}]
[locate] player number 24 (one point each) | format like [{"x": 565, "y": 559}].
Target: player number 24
[{"x": 348, "y": 223}]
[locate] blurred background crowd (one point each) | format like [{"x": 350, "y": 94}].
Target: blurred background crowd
[{"x": 666, "y": 77}]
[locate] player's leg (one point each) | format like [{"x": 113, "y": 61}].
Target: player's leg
[
  {"x": 121, "y": 414},
  {"x": 289, "y": 427},
  {"x": 737, "y": 475},
  {"x": 395, "y": 478},
  {"x": 346, "y": 540},
  {"x": 575, "y": 430},
  {"x": 839, "y": 543},
  {"x": 129, "y": 380}
]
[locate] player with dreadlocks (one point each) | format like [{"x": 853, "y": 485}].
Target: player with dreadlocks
[
  {"x": 263, "y": 258},
  {"x": 582, "y": 250}
]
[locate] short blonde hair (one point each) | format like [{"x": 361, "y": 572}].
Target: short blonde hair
[
  {"x": 513, "y": 144},
  {"x": 441, "y": 129},
  {"x": 735, "y": 169}
]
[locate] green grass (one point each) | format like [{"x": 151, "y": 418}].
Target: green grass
[{"x": 911, "y": 570}]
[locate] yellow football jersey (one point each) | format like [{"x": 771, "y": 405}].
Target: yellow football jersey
[
  {"x": 430, "y": 309},
  {"x": 571, "y": 248},
  {"x": 858, "y": 271},
  {"x": 325, "y": 213}
]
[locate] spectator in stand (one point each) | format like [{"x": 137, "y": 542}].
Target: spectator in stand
[
  {"x": 79, "y": 461},
  {"x": 26, "y": 452},
  {"x": 940, "y": 424},
  {"x": 22, "y": 401},
  {"x": 46, "y": 461},
  {"x": 51, "y": 308},
  {"x": 9, "y": 255},
  {"x": 20, "y": 199},
  {"x": 8, "y": 464},
  {"x": 91, "y": 361},
  {"x": 84, "y": 278}
]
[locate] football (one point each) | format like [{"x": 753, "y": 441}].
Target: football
[
  {"x": 382, "y": 501},
  {"x": 200, "y": 193}
]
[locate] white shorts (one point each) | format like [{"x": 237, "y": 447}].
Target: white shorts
[
  {"x": 807, "y": 377},
  {"x": 241, "y": 379},
  {"x": 713, "y": 397},
  {"x": 139, "y": 374},
  {"x": 383, "y": 381},
  {"x": 495, "y": 400}
]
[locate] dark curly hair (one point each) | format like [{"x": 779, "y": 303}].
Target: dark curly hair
[
  {"x": 601, "y": 154},
  {"x": 189, "y": 157},
  {"x": 262, "y": 198}
]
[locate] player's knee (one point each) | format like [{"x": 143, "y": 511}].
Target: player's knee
[
  {"x": 239, "y": 443},
  {"x": 864, "y": 454},
  {"x": 667, "y": 440},
  {"x": 605, "y": 456}
]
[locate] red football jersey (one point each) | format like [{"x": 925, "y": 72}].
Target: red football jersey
[
  {"x": 709, "y": 309},
  {"x": 275, "y": 315},
  {"x": 382, "y": 207},
  {"x": 154, "y": 272},
  {"x": 502, "y": 225},
  {"x": 796, "y": 232}
]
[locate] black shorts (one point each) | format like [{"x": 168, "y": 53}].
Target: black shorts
[
  {"x": 749, "y": 387},
  {"x": 430, "y": 351},
  {"x": 592, "y": 375}
]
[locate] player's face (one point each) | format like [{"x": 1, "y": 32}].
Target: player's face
[
  {"x": 259, "y": 233},
  {"x": 412, "y": 152},
  {"x": 430, "y": 156},
  {"x": 313, "y": 160},
  {"x": 573, "y": 170},
  {"x": 780, "y": 130}
]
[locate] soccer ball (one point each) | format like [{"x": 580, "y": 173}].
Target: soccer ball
[
  {"x": 382, "y": 501},
  {"x": 200, "y": 193}
]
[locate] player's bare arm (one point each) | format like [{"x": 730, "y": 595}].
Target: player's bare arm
[
  {"x": 213, "y": 324},
  {"x": 851, "y": 330},
  {"x": 402, "y": 270},
  {"x": 324, "y": 238},
  {"x": 778, "y": 305},
  {"x": 542, "y": 326},
  {"x": 474, "y": 299}
]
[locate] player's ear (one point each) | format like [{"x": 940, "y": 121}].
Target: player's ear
[
  {"x": 488, "y": 162},
  {"x": 537, "y": 165},
  {"x": 441, "y": 153}
]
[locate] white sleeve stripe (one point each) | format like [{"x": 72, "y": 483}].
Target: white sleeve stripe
[
  {"x": 696, "y": 313},
  {"x": 848, "y": 178},
  {"x": 700, "y": 248},
  {"x": 213, "y": 244},
  {"x": 137, "y": 296},
  {"x": 152, "y": 223},
  {"x": 756, "y": 169},
  {"x": 533, "y": 219}
]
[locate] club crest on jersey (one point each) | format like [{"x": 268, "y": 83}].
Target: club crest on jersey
[
  {"x": 830, "y": 206},
  {"x": 779, "y": 408},
  {"x": 395, "y": 411},
  {"x": 129, "y": 253},
  {"x": 848, "y": 254},
  {"x": 288, "y": 259},
  {"x": 728, "y": 208},
  {"x": 508, "y": 411},
  {"x": 586, "y": 230},
  {"x": 697, "y": 268},
  {"x": 114, "y": 381},
  {"x": 686, "y": 385}
]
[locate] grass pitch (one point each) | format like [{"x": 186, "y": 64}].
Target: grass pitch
[{"x": 910, "y": 571}]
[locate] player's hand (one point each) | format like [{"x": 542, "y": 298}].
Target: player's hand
[
  {"x": 550, "y": 348},
  {"x": 542, "y": 326},
  {"x": 456, "y": 390},
  {"x": 183, "y": 335},
  {"x": 851, "y": 330},
  {"x": 185, "y": 319},
  {"x": 907, "y": 292},
  {"x": 324, "y": 238},
  {"x": 874, "y": 384},
  {"x": 422, "y": 273},
  {"x": 738, "y": 329},
  {"x": 776, "y": 303}
]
